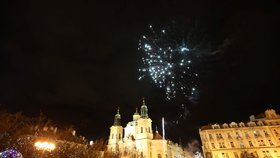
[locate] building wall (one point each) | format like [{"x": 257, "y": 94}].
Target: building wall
[{"x": 256, "y": 138}]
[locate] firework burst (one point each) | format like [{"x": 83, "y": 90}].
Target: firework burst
[{"x": 168, "y": 61}]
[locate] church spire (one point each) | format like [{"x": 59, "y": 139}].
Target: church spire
[
  {"x": 144, "y": 110},
  {"x": 117, "y": 120}
]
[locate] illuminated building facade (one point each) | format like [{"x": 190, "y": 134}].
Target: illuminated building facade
[
  {"x": 260, "y": 137},
  {"x": 138, "y": 139}
]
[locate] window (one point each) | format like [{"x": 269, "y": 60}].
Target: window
[
  {"x": 237, "y": 135},
  {"x": 223, "y": 145},
  {"x": 247, "y": 135},
  {"x": 232, "y": 145},
  {"x": 236, "y": 155},
  {"x": 210, "y": 136},
  {"x": 220, "y": 145},
  {"x": 257, "y": 134},
  {"x": 270, "y": 142},
  {"x": 141, "y": 129},
  {"x": 276, "y": 153},
  {"x": 241, "y": 144},
  {"x": 119, "y": 136},
  {"x": 219, "y": 136},
  {"x": 267, "y": 153},
  {"x": 159, "y": 155},
  {"x": 229, "y": 136},
  {"x": 276, "y": 132},
  {"x": 262, "y": 143},
  {"x": 213, "y": 145},
  {"x": 225, "y": 155},
  {"x": 251, "y": 144},
  {"x": 149, "y": 129},
  {"x": 266, "y": 134},
  {"x": 264, "y": 153}
]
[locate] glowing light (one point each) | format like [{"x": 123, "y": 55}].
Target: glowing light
[
  {"x": 44, "y": 145},
  {"x": 169, "y": 62}
]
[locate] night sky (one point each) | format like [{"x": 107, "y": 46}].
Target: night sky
[{"x": 77, "y": 61}]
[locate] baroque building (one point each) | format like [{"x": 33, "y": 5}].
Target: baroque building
[
  {"x": 138, "y": 138},
  {"x": 259, "y": 137}
]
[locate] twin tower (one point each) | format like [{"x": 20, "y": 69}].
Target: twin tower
[{"x": 136, "y": 134}]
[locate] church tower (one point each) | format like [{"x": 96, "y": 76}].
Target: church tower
[
  {"x": 144, "y": 124},
  {"x": 144, "y": 110},
  {"x": 144, "y": 134},
  {"x": 116, "y": 133}
]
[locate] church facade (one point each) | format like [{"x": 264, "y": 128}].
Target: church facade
[{"x": 138, "y": 138}]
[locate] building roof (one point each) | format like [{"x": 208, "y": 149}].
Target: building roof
[
  {"x": 270, "y": 117},
  {"x": 157, "y": 135}
]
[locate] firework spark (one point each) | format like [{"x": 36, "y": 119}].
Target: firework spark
[{"x": 168, "y": 60}]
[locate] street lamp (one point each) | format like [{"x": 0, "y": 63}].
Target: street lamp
[{"x": 44, "y": 146}]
